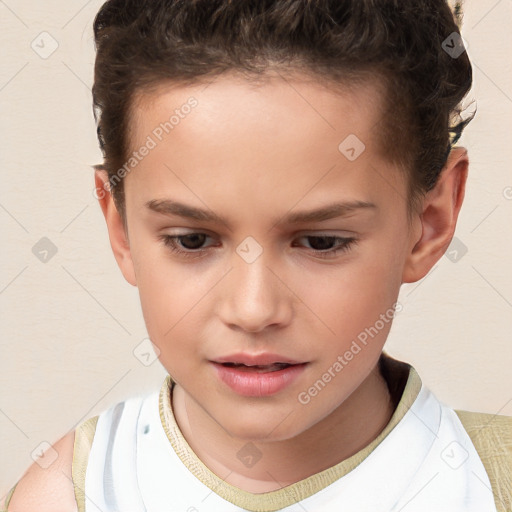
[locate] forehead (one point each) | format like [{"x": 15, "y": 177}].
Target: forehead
[
  {"x": 289, "y": 105},
  {"x": 270, "y": 142}
]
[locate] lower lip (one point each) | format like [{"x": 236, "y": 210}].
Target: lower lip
[{"x": 252, "y": 383}]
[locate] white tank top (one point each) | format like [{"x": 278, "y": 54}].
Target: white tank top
[{"x": 423, "y": 461}]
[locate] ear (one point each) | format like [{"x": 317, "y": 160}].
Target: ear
[
  {"x": 438, "y": 217},
  {"x": 116, "y": 230}
]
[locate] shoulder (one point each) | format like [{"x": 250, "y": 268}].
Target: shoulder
[
  {"x": 491, "y": 429},
  {"x": 491, "y": 435},
  {"x": 61, "y": 486},
  {"x": 47, "y": 488}
]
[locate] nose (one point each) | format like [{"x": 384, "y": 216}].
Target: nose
[{"x": 253, "y": 297}]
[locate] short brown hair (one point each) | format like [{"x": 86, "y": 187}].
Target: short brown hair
[{"x": 145, "y": 43}]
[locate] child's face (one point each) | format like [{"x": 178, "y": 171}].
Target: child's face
[{"x": 255, "y": 156}]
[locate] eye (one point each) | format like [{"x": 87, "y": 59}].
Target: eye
[
  {"x": 322, "y": 245},
  {"x": 185, "y": 245}
]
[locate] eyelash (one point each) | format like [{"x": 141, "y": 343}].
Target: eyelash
[{"x": 170, "y": 241}]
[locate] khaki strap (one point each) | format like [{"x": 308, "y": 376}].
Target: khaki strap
[
  {"x": 84, "y": 435},
  {"x": 491, "y": 435},
  {"x": 8, "y": 498}
]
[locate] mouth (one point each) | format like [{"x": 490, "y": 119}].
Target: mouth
[
  {"x": 258, "y": 376},
  {"x": 264, "y": 359},
  {"x": 258, "y": 368}
]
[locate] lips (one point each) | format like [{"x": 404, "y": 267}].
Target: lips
[
  {"x": 275, "y": 367},
  {"x": 258, "y": 375}
]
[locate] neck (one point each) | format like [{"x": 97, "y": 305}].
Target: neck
[{"x": 329, "y": 442}]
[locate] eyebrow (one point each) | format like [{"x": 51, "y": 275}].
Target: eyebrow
[{"x": 330, "y": 211}]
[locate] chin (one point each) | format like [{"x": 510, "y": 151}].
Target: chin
[
  {"x": 259, "y": 433},
  {"x": 260, "y": 427}
]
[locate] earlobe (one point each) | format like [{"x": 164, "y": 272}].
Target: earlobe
[
  {"x": 438, "y": 219},
  {"x": 116, "y": 229}
]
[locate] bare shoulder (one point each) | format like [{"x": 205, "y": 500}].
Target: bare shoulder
[{"x": 51, "y": 488}]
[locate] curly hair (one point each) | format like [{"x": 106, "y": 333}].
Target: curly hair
[{"x": 399, "y": 44}]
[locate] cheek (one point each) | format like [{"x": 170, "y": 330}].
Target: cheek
[
  {"x": 351, "y": 297},
  {"x": 163, "y": 289},
  {"x": 174, "y": 300},
  {"x": 169, "y": 311},
  {"x": 168, "y": 298}
]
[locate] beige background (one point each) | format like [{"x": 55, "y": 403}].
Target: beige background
[{"x": 69, "y": 327}]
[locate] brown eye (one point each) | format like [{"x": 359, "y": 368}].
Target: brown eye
[
  {"x": 321, "y": 243},
  {"x": 327, "y": 246},
  {"x": 189, "y": 245},
  {"x": 193, "y": 241}
]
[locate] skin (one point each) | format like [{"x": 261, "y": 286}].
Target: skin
[{"x": 254, "y": 155}]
